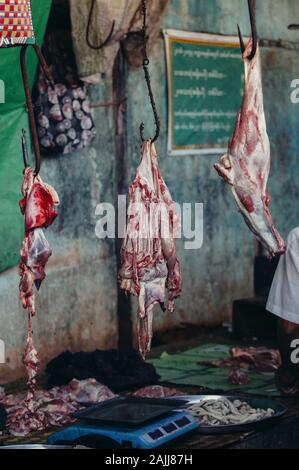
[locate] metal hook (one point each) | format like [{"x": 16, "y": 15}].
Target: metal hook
[
  {"x": 30, "y": 111},
  {"x": 251, "y": 6},
  {"x": 25, "y": 149},
  {"x": 105, "y": 43},
  {"x": 44, "y": 65},
  {"x": 148, "y": 80}
]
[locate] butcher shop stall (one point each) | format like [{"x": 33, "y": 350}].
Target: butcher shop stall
[{"x": 149, "y": 225}]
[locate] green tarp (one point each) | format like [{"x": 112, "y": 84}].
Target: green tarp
[
  {"x": 185, "y": 369},
  {"x": 13, "y": 118}
]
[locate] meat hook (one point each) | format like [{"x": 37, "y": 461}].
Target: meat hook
[
  {"x": 24, "y": 149},
  {"x": 29, "y": 103},
  {"x": 251, "y": 6},
  {"x": 107, "y": 40},
  {"x": 148, "y": 79}
]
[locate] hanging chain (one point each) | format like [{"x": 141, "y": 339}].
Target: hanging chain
[{"x": 148, "y": 78}]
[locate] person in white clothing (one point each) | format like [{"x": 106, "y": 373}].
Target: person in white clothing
[{"x": 283, "y": 302}]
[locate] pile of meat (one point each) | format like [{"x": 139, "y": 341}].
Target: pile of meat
[
  {"x": 224, "y": 412},
  {"x": 238, "y": 377},
  {"x": 51, "y": 408},
  {"x": 246, "y": 165},
  {"x": 149, "y": 260},
  {"x": 259, "y": 359},
  {"x": 55, "y": 407},
  {"x": 242, "y": 360}
]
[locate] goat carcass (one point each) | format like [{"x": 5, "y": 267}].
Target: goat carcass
[
  {"x": 149, "y": 260},
  {"x": 246, "y": 166}
]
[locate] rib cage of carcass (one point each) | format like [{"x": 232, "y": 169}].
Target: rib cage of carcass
[{"x": 150, "y": 266}]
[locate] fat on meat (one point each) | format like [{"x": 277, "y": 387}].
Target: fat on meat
[
  {"x": 149, "y": 263},
  {"x": 246, "y": 165}
]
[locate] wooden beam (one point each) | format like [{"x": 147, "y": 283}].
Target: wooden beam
[{"x": 125, "y": 338}]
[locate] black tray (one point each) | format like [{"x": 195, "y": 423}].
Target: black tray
[{"x": 129, "y": 411}]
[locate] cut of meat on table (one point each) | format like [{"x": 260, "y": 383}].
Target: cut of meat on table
[
  {"x": 259, "y": 359},
  {"x": 51, "y": 407},
  {"x": 238, "y": 377},
  {"x": 87, "y": 391},
  {"x": 157, "y": 391},
  {"x": 246, "y": 165},
  {"x": 149, "y": 262},
  {"x": 38, "y": 207}
]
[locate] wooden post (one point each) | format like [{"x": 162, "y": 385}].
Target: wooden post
[{"x": 125, "y": 338}]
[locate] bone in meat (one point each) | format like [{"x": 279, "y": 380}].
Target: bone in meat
[
  {"x": 246, "y": 166},
  {"x": 149, "y": 260}
]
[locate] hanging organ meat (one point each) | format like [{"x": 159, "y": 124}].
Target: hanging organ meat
[
  {"x": 37, "y": 206},
  {"x": 149, "y": 260},
  {"x": 246, "y": 166}
]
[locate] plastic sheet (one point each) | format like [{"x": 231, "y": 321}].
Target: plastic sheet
[{"x": 13, "y": 118}]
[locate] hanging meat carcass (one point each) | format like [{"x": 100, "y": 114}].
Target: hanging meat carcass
[
  {"x": 37, "y": 206},
  {"x": 246, "y": 166},
  {"x": 149, "y": 260}
]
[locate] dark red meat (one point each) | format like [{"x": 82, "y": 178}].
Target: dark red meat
[
  {"x": 238, "y": 377},
  {"x": 260, "y": 359}
]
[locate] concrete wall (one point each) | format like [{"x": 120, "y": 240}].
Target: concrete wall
[{"x": 77, "y": 305}]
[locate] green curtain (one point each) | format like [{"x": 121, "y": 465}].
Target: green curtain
[{"x": 13, "y": 117}]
